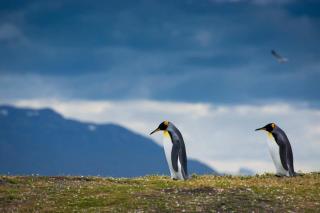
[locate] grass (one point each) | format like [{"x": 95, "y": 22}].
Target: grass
[{"x": 160, "y": 194}]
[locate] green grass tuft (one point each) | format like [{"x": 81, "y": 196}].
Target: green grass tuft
[{"x": 161, "y": 194}]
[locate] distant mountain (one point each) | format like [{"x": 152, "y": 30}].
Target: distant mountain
[{"x": 44, "y": 142}]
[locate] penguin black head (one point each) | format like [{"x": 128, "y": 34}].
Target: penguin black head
[
  {"x": 163, "y": 126},
  {"x": 269, "y": 127}
]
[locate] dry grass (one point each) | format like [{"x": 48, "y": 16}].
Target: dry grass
[{"x": 160, "y": 194}]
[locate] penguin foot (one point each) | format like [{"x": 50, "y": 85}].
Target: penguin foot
[{"x": 298, "y": 174}]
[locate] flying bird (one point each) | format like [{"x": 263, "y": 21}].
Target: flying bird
[
  {"x": 279, "y": 58},
  {"x": 280, "y": 150},
  {"x": 174, "y": 149}
]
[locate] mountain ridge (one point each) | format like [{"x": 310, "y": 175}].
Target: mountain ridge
[{"x": 42, "y": 141}]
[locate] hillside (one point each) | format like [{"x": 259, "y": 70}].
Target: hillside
[
  {"x": 160, "y": 194},
  {"x": 44, "y": 142}
]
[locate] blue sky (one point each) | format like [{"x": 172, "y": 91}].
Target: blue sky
[{"x": 205, "y": 53}]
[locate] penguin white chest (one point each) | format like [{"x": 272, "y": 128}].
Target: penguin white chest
[
  {"x": 167, "y": 146},
  {"x": 275, "y": 155}
]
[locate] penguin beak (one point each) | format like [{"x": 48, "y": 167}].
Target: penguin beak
[
  {"x": 156, "y": 130},
  {"x": 262, "y": 128}
]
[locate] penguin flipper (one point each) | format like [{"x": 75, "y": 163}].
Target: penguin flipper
[
  {"x": 289, "y": 158},
  {"x": 183, "y": 162},
  {"x": 283, "y": 157},
  {"x": 175, "y": 156}
]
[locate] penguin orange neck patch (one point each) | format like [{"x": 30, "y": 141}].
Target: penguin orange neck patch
[
  {"x": 270, "y": 136},
  {"x": 166, "y": 134}
]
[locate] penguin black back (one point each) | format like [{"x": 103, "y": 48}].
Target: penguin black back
[{"x": 285, "y": 149}]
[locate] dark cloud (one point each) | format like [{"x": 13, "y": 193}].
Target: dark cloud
[{"x": 168, "y": 50}]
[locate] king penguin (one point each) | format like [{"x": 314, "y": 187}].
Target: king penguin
[
  {"x": 280, "y": 150},
  {"x": 174, "y": 150}
]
